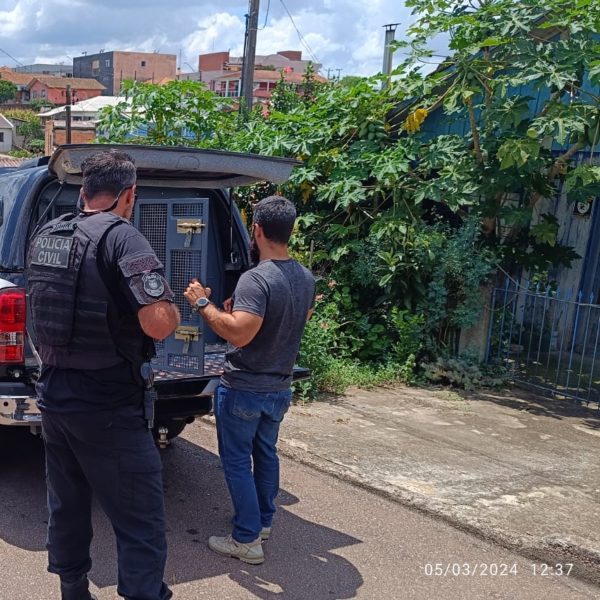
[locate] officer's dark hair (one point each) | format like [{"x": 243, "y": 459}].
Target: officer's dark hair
[
  {"x": 107, "y": 172},
  {"x": 276, "y": 215}
]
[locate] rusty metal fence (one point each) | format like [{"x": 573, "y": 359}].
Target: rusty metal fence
[{"x": 547, "y": 339}]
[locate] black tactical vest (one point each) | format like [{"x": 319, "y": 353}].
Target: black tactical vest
[{"x": 77, "y": 323}]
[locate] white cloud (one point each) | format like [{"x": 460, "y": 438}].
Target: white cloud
[
  {"x": 12, "y": 19},
  {"x": 342, "y": 34},
  {"x": 219, "y": 32}
]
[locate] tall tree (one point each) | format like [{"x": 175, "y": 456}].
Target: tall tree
[
  {"x": 524, "y": 77},
  {"x": 8, "y": 91}
]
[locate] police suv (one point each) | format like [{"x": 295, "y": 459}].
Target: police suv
[{"x": 186, "y": 212}]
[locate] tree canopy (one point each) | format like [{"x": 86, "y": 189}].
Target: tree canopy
[
  {"x": 399, "y": 185},
  {"x": 8, "y": 91}
]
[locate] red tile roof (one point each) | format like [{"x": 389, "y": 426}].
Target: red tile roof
[
  {"x": 9, "y": 161},
  {"x": 16, "y": 78},
  {"x": 76, "y": 83}
]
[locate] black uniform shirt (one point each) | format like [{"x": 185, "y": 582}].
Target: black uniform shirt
[{"x": 134, "y": 277}]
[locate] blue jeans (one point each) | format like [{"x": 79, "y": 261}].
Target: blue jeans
[{"x": 247, "y": 430}]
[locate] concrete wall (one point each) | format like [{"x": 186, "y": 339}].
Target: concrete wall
[
  {"x": 98, "y": 67},
  {"x": 112, "y": 68},
  {"x": 6, "y": 139},
  {"x": 142, "y": 67},
  {"x": 82, "y": 132}
]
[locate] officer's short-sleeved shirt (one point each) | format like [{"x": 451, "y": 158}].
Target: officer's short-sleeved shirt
[{"x": 135, "y": 278}]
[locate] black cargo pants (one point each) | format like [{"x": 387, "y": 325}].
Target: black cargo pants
[{"x": 112, "y": 455}]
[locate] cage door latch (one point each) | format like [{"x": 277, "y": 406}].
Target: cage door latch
[
  {"x": 187, "y": 334},
  {"x": 189, "y": 227}
]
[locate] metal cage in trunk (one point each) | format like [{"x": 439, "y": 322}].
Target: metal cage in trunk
[{"x": 177, "y": 230}]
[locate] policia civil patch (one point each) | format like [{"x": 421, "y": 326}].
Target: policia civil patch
[
  {"x": 52, "y": 251},
  {"x": 153, "y": 284}
]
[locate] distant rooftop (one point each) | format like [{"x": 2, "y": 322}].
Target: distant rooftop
[
  {"x": 9, "y": 161},
  {"x": 45, "y": 69},
  {"x": 74, "y": 82},
  {"x": 5, "y": 123},
  {"x": 91, "y": 105}
]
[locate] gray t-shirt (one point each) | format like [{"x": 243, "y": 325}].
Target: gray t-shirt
[{"x": 282, "y": 292}]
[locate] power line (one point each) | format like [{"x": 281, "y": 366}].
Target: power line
[
  {"x": 300, "y": 36},
  {"x": 266, "y": 16},
  {"x": 12, "y": 57}
]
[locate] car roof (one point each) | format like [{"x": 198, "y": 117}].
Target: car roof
[{"x": 178, "y": 166}]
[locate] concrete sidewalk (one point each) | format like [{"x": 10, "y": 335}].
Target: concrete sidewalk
[{"x": 513, "y": 468}]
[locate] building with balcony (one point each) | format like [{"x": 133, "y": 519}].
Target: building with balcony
[{"x": 222, "y": 73}]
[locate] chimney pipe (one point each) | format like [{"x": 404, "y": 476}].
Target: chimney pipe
[{"x": 390, "y": 36}]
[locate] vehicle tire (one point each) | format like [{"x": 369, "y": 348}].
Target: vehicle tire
[{"x": 174, "y": 427}]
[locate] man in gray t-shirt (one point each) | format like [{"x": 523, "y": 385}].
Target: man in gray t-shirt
[{"x": 263, "y": 324}]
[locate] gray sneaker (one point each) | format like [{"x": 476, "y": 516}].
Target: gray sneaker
[
  {"x": 251, "y": 553},
  {"x": 265, "y": 532}
]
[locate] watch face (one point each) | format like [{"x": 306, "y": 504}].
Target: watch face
[{"x": 202, "y": 302}]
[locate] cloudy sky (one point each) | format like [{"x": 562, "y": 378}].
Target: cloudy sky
[{"x": 340, "y": 34}]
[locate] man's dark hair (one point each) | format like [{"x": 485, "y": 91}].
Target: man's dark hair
[
  {"x": 276, "y": 215},
  {"x": 107, "y": 172}
]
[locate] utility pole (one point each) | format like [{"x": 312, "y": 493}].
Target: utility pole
[
  {"x": 339, "y": 71},
  {"x": 390, "y": 36},
  {"x": 68, "y": 114},
  {"x": 247, "y": 84}
]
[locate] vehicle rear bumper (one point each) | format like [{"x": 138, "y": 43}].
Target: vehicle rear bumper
[{"x": 177, "y": 399}]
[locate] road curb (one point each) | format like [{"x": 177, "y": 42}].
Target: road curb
[{"x": 549, "y": 550}]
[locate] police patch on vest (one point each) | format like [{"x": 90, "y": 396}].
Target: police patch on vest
[
  {"x": 52, "y": 251},
  {"x": 153, "y": 284},
  {"x": 64, "y": 226}
]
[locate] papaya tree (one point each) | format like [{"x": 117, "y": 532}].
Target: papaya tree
[
  {"x": 519, "y": 88},
  {"x": 398, "y": 185}
]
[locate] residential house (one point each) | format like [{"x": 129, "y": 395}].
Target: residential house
[
  {"x": 222, "y": 72},
  {"x": 6, "y": 134},
  {"x": 21, "y": 80},
  {"x": 229, "y": 84},
  {"x": 112, "y": 68},
  {"x": 54, "y": 89},
  {"x": 85, "y": 110},
  {"x": 546, "y": 336},
  {"x": 84, "y": 117}
]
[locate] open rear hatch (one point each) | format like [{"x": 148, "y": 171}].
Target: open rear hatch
[
  {"x": 177, "y": 227},
  {"x": 179, "y": 167}
]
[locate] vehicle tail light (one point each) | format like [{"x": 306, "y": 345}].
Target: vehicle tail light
[{"x": 12, "y": 325}]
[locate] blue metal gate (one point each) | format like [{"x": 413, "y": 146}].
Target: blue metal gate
[
  {"x": 547, "y": 339},
  {"x": 177, "y": 231}
]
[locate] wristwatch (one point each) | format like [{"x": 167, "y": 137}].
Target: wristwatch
[{"x": 200, "y": 304}]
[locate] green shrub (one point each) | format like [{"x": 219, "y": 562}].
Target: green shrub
[
  {"x": 463, "y": 372},
  {"x": 20, "y": 154}
]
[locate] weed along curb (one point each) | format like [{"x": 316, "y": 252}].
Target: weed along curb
[{"x": 508, "y": 467}]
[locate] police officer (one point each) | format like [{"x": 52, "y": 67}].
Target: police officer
[{"x": 98, "y": 299}]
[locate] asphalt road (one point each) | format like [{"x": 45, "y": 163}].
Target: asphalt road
[{"x": 331, "y": 541}]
